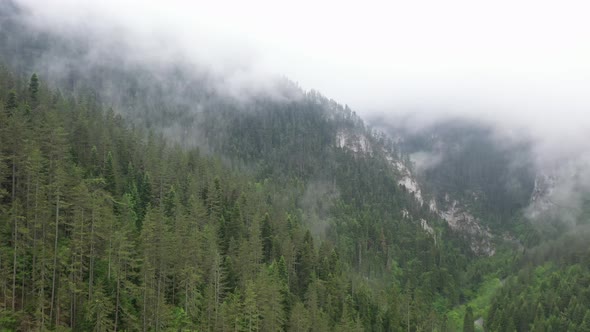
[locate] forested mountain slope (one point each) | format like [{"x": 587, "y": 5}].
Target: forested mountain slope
[
  {"x": 97, "y": 210},
  {"x": 112, "y": 227},
  {"x": 277, "y": 131},
  {"x": 152, "y": 195},
  {"x": 288, "y": 146},
  {"x": 466, "y": 159}
]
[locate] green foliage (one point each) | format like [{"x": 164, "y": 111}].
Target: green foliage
[
  {"x": 107, "y": 225},
  {"x": 468, "y": 325},
  {"x": 8, "y": 320},
  {"x": 34, "y": 89},
  {"x": 548, "y": 297},
  {"x": 479, "y": 303},
  {"x": 113, "y": 219},
  {"x": 11, "y": 101}
]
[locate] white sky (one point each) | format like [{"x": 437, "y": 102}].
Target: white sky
[{"x": 524, "y": 63}]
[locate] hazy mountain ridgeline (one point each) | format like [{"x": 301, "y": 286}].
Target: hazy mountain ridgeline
[
  {"x": 269, "y": 127},
  {"x": 88, "y": 62},
  {"x": 276, "y": 130},
  {"x": 528, "y": 195},
  {"x": 468, "y": 161}
]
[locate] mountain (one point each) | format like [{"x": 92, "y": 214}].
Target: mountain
[
  {"x": 280, "y": 131},
  {"x": 144, "y": 194},
  {"x": 467, "y": 168}
]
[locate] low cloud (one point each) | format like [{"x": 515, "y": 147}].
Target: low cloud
[
  {"x": 563, "y": 193},
  {"x": 520, "y": 67},
  {"x": 424, "y": 161}
]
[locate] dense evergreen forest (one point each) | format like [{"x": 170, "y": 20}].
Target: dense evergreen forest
[
  {"x": 111, "y": 227},
  {"x": 495, "y": 179},
  {"x": 140, "y": 198}
]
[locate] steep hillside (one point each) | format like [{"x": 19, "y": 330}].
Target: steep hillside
[
  {"x": 140, "y": 198},
  {"x": 141, "y": 193},
  {"x": 280, "y": 131}
]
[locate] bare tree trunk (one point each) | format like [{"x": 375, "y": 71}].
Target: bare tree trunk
[
  {"x": 144, "y": 297},
  {"x": 158, "y": 300},
  {"x": 14, "y": 219},
  {"x": 186, "y": 296},
  {"x": 57, "y": 313},
  {"x": 91, "y": 265},
  {"x": 14, "y": 256},
  {"x": 73, "y": 301},
  {"x": 42, "y": 287},
  {"x": 174, "y": 288},
  {"x": 360, "y": 258},
  {"x": 26, "y": 239},
  {"x": 54, "y": 257},
  {"x": 22, "y": 293},
  {"x": 34, "y": 268},
  {"x": 117, "y": 301},
  {"x": 110, "y": 246}
]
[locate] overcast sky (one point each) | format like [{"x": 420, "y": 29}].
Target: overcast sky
[{"x": 519, "y": 63}]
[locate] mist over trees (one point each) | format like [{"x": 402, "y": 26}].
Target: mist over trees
[
  {"x": 138, "y": 194},
  {"x": 114, "y": 228}
]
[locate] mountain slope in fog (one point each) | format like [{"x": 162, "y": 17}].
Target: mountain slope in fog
[{"x": 353, "y": 227}]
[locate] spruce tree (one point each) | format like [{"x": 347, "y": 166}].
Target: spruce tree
[
  {"x": 109, "y": 174},
  {"x": 11, "y": 101},
  {"x": 266, "y": 234},
  {"x": 34, "y": 89},
  {"x": 468, "y": 322}
]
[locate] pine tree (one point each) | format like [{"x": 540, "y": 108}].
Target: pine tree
[
  {"x": 251, "y": 315},
  {"x": 468, "y": 321},
  {"x": 59, "y": 181},
  {"x": 109, "y": 174},
  {"x": 34, "y": 90},
  {"x": 299, "y": 320},
  {"x": 11, "y": 101},
  {"x": 305, "y": 263},
  {"x": 270, "y": 297},
  {"x": 266, "y": 234},
  {"x": 444, "y": 324},
  {"x": 99, "y": 310},
  {"x": 152, "y": 237},
  {"x": 3, "y": 175},
  {"x": 585, "y": 326},
  {"x": 231, "y": 313},
  {"x": 218, "y": 285}
]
